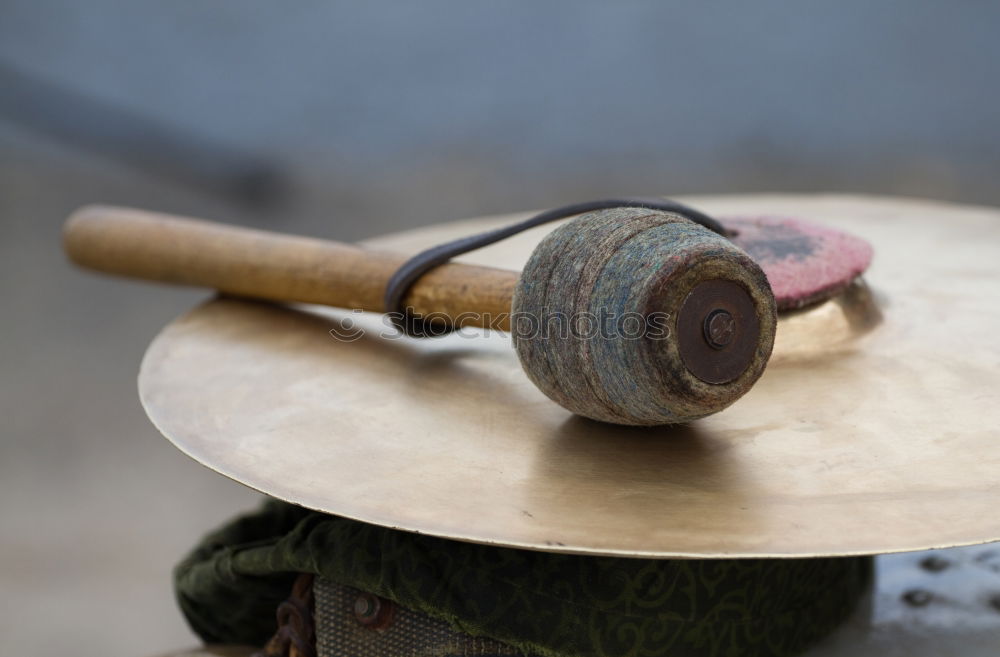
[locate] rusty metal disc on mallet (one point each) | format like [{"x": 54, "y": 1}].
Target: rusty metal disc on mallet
[{"x": 872, "y": 430}]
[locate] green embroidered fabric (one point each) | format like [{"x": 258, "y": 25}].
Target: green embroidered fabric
[{"x": 546, "y": 604}]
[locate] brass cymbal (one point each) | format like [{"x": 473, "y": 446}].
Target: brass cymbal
[{"x": 874, "y": 428}]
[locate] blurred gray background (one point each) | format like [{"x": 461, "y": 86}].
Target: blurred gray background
[{"x": 346, "y": 120}]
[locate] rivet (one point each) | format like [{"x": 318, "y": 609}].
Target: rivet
[
  {"x": 372, "y": 611},
  {"x": 720, "y": 328},
  {"x": 366, "y": 608}
]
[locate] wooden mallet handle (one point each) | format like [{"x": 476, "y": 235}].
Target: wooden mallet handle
[
  {"x": 618, "y": 264},
  {"x": 265, "y": 265}
]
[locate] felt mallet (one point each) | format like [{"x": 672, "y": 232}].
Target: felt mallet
[{"x": 626, "y": 315}]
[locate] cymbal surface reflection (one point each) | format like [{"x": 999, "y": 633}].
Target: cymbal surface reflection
[{"x": 872, "y": 430}]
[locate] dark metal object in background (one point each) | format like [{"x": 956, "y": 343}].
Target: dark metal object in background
[
  {"x": 296, "y": 633},
  {"x": 84, "y": 122}
]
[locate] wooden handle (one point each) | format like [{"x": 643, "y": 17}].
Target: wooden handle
[{"x": 261, "y": 264}]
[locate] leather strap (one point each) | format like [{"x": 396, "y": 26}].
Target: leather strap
[{"x": 423, "y": 262}]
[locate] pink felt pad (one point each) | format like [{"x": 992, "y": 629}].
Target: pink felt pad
[{"x": 804, "y": 262}]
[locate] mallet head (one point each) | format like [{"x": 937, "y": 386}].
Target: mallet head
[{"x": 641, "y": 317}]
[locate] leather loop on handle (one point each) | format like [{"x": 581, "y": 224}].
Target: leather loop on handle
[
  {"x": 425, "y": 261},
  {"x": 261, "y": 264}
]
